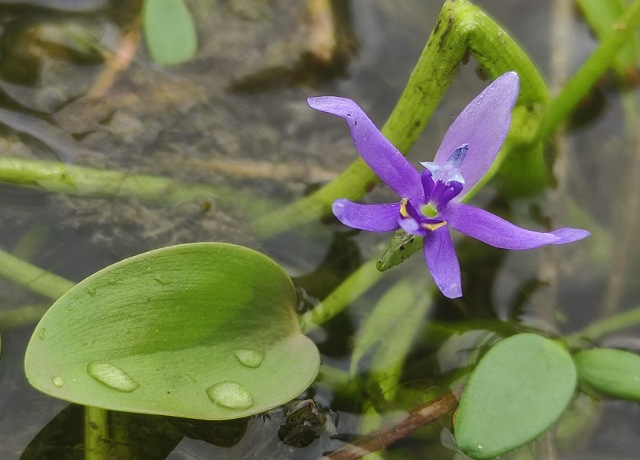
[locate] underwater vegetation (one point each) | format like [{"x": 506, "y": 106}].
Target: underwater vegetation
[{"x": 196, "y": 264}]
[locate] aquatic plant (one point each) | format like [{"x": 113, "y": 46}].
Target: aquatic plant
[
  {"x": 199, "y": 340},
  {"x": 430, "y": 201}
]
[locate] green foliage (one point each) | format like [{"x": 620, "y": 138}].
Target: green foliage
[
  {"x": 169, "y": 31},
  {"x": 602, "y": 17},
  {"x": 389, "y": 331},
  {"x": 208, "y": 330},
  {"x": 612, "y": 372},
  {"x": 203, "y": 330},
  {"x": 518, "y": 390}
]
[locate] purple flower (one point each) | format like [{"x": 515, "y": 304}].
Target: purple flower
[{"x": 431, "y": 202}]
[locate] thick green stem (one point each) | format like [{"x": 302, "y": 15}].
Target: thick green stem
[
  {"x": 461, "y": 27},
  {"x": 96, "y": 433}
]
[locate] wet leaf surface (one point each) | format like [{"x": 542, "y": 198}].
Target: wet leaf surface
[{"x": 203, "y": 330}]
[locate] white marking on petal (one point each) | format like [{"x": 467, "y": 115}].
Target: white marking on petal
[{"x": 446, "y": 173}]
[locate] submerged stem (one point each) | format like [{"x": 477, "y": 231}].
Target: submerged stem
[
  {"x": 625, "y": 223},
  {"x": 601, "y": 59},
  {"x": 350, "y": 289},
  {"x": 21, "y": 316},
  {"x": 545, "y": 299},
  {"x": 96, "y": 433},
  {"x": 392, "y": 432},
  {"x": 89, "y": 182},
  {"x": 599, "y": 329},
  {"x": 32, "y": 277}
]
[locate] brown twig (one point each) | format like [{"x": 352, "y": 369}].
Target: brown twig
[
  {"x": 116, "y": 63},
  {"x": 322, "y": 34},
  {"x": 388, "y": 434}
]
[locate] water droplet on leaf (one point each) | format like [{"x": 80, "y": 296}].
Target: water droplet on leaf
[
  {"x": 250, "y": 358},
  {"x": 231, "y": 395},
  {"x": 112, "y": 376},
  {"x": 58, "y": 381}
]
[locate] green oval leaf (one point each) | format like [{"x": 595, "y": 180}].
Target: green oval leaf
[
  {"x": 203, "y": 330},
  {"x": 518, "y": 390},
  {"x": 609, "y": 371},
  {"x": 169, "y": 31}
]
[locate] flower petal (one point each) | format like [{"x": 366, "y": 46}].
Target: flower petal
[
  {"x": 483, "y": 125},
  {"x": 442, "y": 262},
  {"x": 491, "y": 229},
  {"x": 381, "y": 156},
  {"x": 370, "y": 217}
]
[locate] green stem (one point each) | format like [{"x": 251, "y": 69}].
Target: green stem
[
  {"x": 22, "y": 316},
  {"x": 602, "y": 17},
  {"x": 83, "y": 181},
  {"x": 584, "y": 79},
  {"x": 353, "y": 287},
  {"x": 461, "y": 27},
  {"x": 606, "y": 326},
  {"x": 96, "y": 433},
  {"x": 32, "y": 277},
  {"x": 335, "y": 379}
]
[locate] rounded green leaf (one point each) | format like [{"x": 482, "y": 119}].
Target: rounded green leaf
[
  {"x": 609, "y": 371},
  {"x": 169, "y": 31},
  {"x": 518, "y": 390},
  {"x": 204, "y": 330}
]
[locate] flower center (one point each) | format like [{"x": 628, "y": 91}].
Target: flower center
[
  {"x": 419, "y": 220},
  {"x": 429, "y": 209},
  {"x": 441, "y": 183},
  {"x": 450, "y": 170}
]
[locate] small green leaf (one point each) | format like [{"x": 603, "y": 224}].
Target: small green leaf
[
  {"x": 169, "y": 31},
  {"x": 203, "y": 330},
  {"x": 609, "y": 371},
  {"x": 518, "y": 390},
  {"x": 401, "y": 246}
]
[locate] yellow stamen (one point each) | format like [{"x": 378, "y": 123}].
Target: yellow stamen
[
  {"x": 433, "y": 227},
  {"x": 403, "y": 207}
]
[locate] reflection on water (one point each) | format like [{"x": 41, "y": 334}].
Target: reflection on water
[{"x": 235, "y": 119}]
